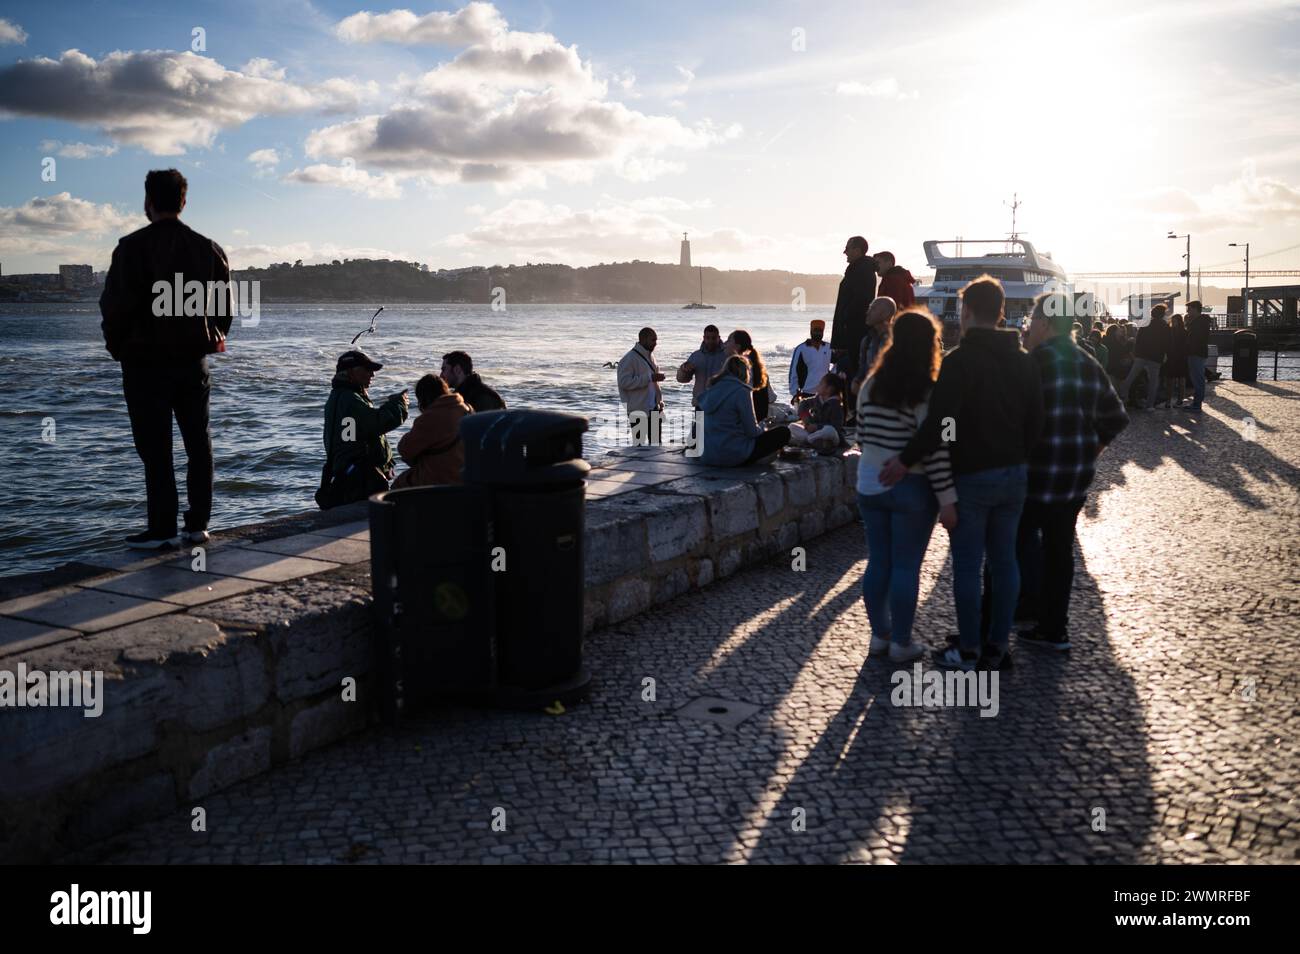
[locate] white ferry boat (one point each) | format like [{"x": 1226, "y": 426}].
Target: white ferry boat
[{"x": 1024, "y": 271}]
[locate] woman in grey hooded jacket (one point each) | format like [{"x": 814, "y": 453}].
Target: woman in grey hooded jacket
[{"x": 732, "y": 435}]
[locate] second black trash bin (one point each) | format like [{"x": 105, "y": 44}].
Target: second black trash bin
[
  {"x": 530, "y": 463},
  {"x": 1245, "y": 356}
]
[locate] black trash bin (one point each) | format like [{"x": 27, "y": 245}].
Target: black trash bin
[
  {"x": 434, "y": 602},
  {"x": 530, "y": 465},
  {"x": 1245, "y": 356}
]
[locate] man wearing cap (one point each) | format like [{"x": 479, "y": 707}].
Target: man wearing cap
[
  {"x": 810, "y": 362},
  {"x": 358, "y": 460},
  {"x": 857, "y": 289}
]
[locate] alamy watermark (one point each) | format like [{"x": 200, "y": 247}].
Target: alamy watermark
[
  {"x": 83, "y": 690},
  {"x": 934, "y": 689},
  {"x": 180, "y": 298}
]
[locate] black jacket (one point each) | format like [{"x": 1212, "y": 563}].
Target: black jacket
[
  {"x": 479, "y": 396},
  {"x": 1198, "y": 336},
  {"x": 991, "y": 390},
  {"x": 157, "y": 253},
  {"x": 857, "y": 289},
  {"x": 1152, "y": 341}
]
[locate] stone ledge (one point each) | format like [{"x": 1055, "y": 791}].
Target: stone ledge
[{"x": 212, "y": 680}]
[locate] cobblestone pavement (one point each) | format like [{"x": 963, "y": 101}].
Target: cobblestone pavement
[{"x": 1176, "y": 713}]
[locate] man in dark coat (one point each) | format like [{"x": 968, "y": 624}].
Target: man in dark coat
[
  {"x": 458, "y": 371},
  {"x": 857, "y": 290},
  {"x": 163, "y": 352}
]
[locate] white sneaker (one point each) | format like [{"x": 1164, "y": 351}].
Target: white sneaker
[
  {"x": 879, "y": 646},
  {"x": 196, "y": 536},
  {"x": 902, "y": 654}
]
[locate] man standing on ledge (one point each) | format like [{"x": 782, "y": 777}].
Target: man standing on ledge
[
  {"x": 849, "y": 324},
  {"x": 638, "y": 388},
  {"x": 810, "y": 362},
  {"x": 164, "y": 355}
]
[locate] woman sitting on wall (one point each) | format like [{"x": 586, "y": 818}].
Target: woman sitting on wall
[{"x": 732, "y": 435}]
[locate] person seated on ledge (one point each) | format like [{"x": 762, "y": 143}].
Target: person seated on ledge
[
  {"x": 732, "y": 435},
  {"x": 432, "y": 448},
  {"x": 821, "y": 417},
  {"x": 458, "y": 371},
  {"x": 358, "y": 460}
]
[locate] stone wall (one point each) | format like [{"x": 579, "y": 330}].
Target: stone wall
[{"x": 213, "y": 689}]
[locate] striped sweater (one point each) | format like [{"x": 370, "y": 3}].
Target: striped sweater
[{"x": 882, "y": 432}]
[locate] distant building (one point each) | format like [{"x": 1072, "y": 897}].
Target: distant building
[
  {"x": 686, "y": 252},
  {"x": 76, "y": 276}
]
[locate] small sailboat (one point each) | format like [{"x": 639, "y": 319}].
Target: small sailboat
[{"x": 700, "y": 303}]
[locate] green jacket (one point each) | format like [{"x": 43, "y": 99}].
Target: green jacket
[{"x": 370, "y": 424}]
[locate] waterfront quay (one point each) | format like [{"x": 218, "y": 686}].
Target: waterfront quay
[{"x": 1168, "y": 733}]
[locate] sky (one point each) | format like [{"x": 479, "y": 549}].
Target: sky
[{"x": 496, "y": 133}]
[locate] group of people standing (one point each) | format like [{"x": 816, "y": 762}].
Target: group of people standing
[
  {"x": 742, "y": 423},
  {"x": 1000, "y": 443},
  {"x": 1163, "y": 354}
]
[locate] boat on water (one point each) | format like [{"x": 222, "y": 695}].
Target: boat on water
[
  {"x": 1025, "y": 273},
  {"x": 699, "y": 304}
]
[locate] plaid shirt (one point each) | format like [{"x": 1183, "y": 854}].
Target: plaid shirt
[{"x": 1081, "y": 413}]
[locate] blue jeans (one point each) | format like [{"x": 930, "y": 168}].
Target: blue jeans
[
  {"x": 988, "y": 514},
  {"x": 1196, "y": 371},
  {"x": 899, "y": 523}
]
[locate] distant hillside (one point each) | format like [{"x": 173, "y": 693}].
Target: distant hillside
[{"x": 619, "y": 283}]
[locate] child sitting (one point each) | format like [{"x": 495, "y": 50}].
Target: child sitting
[
  {"x": 821, "y": 417},
  {"x": 432, "y": 448}
]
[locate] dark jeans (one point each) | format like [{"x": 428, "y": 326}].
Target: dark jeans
[
  {"x": 769, "y": 442},
  {"x": 1046, "y": 554},
  {"x": 154, "y": 392}
]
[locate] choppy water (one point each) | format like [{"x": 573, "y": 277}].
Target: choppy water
[{"x": 84, "y": 491}]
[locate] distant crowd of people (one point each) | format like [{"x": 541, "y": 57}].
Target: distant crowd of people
[{"x": 997, "y": 440}]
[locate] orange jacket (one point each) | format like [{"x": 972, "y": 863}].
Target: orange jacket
[{"x": 432, "y": 448}]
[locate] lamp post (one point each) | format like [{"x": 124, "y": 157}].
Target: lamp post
[
  {"x": 1187, "y": 256},
  {"x": 1245, "y": 292}
]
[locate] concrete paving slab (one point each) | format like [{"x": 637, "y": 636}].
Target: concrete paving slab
[
  {"x": 174, "y": 585},
  {"x": 18, "y": 636},
  {"x": 314, "y": 546},
  {"x": 89, "y": 611},
  {"x": 357, "y": 530},
  {"x": 259, "y": 565}
]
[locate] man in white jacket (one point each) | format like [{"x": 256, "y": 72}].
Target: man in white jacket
[
  {"x": 810, "y": 362},
  {"x": 638, "y": 388}
]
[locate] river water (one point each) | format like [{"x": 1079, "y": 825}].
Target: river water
[{"x": 84, "y": 490}]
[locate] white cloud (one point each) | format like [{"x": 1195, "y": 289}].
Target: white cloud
[
  {"x": 11, "y": 33},
  {"x": 474, "y": 23},
  {"x": 64, "y": 213},
  {"x": 886, "y": 88},
  {"x": 1249, "y": 201},
  {"x": 163, "y": 101},
  {"x": 347, "y": 176},
  {"x": 512, "y": 109},
  {"x": 62, "y": 225},
  {"x": 264, "y": 158},
  {"x": 76, "y": 150}
]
